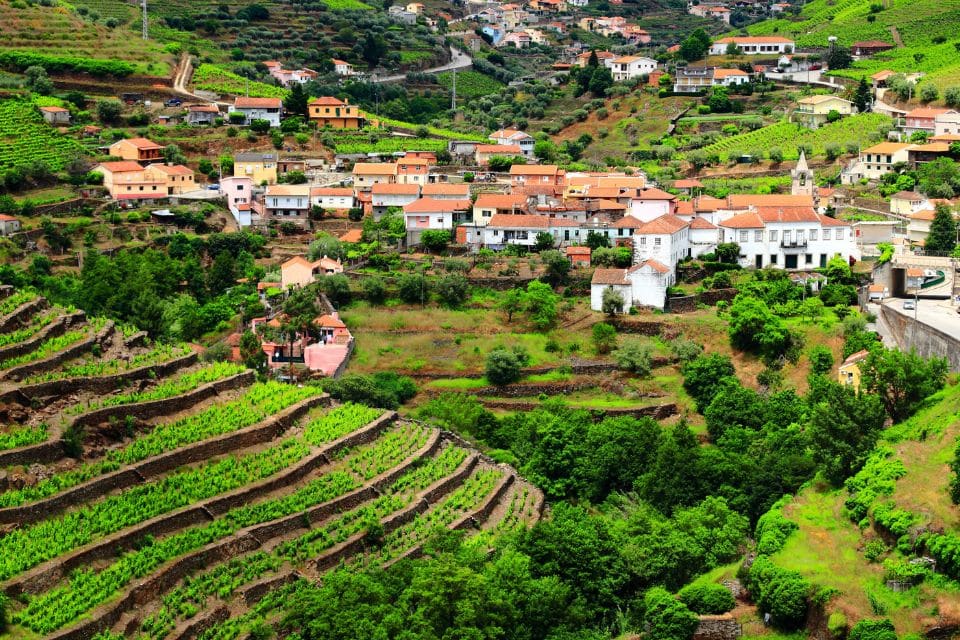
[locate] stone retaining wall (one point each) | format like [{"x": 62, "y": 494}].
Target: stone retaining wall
[
  {"x": 721, "y": 627},
  {"x": 165, "y": 406},
  {"x": 71, "y": 352},
  {"x": 56, "y": 328},
  {"x": 657, "y": 412},
  {"x": 626, "y": 324},
  {"x": 262, "y": 432},
  {"x": 104, "y": 384},
  {"x": 136, "y": 340},
  {"x": 16, "y": 317},
  {"x": 480, "y": 514}
]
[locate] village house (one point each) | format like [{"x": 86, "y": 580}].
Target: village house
[
  {"x": 906, "y": 202},
  {"x": 579, "y": 256},
  {"x": 55, "y": 115},
  {"x": 704, "y": 237},
  {"x": 878, "y": 292},
  {"x": 630, "y": 67},
  {"x": 400, "y": 14},
  {"x": 269, "y": 109},
  {"x": 918, "y": 225},
  {"x": 137, "y": 149},
  {"x": 518, "y": 230},
  {"x": 491, "y": 204},
  {"x": 522, "y": 175},
  {"x": 516, "y": 39},
  {"x": 730, "y": 77},
  {"x": 649, "y": 203},
  {"x": 484, "y": 152},
  {"x": 342, "y": 67},
  {"x": 259, "y": 167},
  {"x": 849, "y": 372},
  {"x": 704, "y": 10},
  {"x": 511, "y": 137},
  {"x": 179, "y": 179},
  {"x": 413, "y": 170},
  {"x": 753, "y": 45},
  {"x": 947, "y": 124},
  {"x": 238, "y": 192},
  {"x": 815, "y": 111},
  {"x": 923, "y": 119},
  {"x": 665, "y": 238},
  {"x": 879, "y": 159},
  {"x": 693, "y": 79},
  {"x": 446, "y": 191},
  {"x": 642, "y": 285},
  {"x": 367, "y": 174},
  {"x": 603, "y": 57},
  {"x": 335, "y": 114},
  {"x": 287, "y": 203},
  {"x": 300, "y": 272},
  {"x": 198, "y": 114},
  {"x": 866, "y": 48},
  {"x": 8, "y": 225},
  {"x": 432, "y": 214},
  {"x": 129, "y": 182},
  {"x": 385, "y": 195},
  {"x": 792, "y": 238},
  {"x": 333, "y": 198}
]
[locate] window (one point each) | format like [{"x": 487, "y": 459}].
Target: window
[
  {"x": 786, "y": 237},
  {"x": 773, "y": 236},
  {"x": 239, "y": 187},
  {"x": 743, "y": 236},
  {"x": 773, "y": 258},
  {"x": 758, "y": 236},
  {"x": 643, "y": 241},
  {"x": 809, "y": 258},
  {"x": 813, "y": 234},
  {"x": 656, "y": 242},
  {"x": 800, "y": 236}
]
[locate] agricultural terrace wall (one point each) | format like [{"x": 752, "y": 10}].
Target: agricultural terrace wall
[
  {"x": 627, "y": 324},
  {"x": 15, "y": 317},
  {"x": 56, "y": 328},
  {"x": 59, "y": 358},
  {"x": 718, "y": 627},
  {"x": 65, "y": 206},
  {"x": 103, "y": 384},
  {"x": 483, "y": 511},
  {"x": 688, "y": 304},
  {"x": 42, "y": 453},
  {"x": 136, "y": 340},
  {"x": 166, "y": 406},
  {"x": 96, "y": 487},
  {"x": 657, "y": 412},
  {"x": 48, "y": 574},
  {"x": 191, "y": 628}
]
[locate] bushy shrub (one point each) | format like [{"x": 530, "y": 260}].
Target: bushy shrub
[{"x": 707, "y": 598}]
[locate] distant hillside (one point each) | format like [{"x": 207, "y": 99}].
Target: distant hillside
[{"x": 925, "y": 29}]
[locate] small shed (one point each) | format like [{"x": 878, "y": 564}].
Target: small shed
[{"x": 579, "y": 256}]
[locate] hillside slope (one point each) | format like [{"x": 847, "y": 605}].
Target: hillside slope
[{"x": 927, "y": 29}]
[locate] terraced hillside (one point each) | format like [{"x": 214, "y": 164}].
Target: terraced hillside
[
  {"x": 145, "y": 493},
  {"x": 926, "y": 29}
]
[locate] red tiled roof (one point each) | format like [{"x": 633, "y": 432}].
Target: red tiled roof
[
  {"x": 498, "y": 148},
  {"x": 328, "y": 101},
  {"x": 701, "y": 223},
  {"x": 501, "y": 201},
  {"x": 856, "y": 357},
  {"x": 665, "y": 224},
  {"x": 384, "y": 188},
  {"x": 652, "y": 193},
  {"x": 143, "y": 144},
  {"x": 432, "y": 205},
  {"x": 506, "y": 220},
  {"x": 627, "y": 222},
  {"x": 52, "y": 109},
  {"x": 121, "y": 166},
  {"x": 535, "y": 170},
  {"x": 609, "y": 276},
  {"x": 653, "y": 264},
  {"x": 439, "y": 189},
  {"x": 578, "y": 251},
  {"x": 749, "y": 220},
  {"x": 244, "y": 102},
  {"x": 787, "y": 214}
]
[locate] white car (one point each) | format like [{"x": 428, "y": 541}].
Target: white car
[{"x": 909, "y": 305}]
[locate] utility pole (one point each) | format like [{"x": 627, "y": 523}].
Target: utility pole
[
  {"x": 453, "y": 95},
  {"x": 143, "y": 6}
]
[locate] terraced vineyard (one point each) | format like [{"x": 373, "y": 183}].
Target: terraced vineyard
[
  {"x": 26, "y": 138},
  {"x": 148, "y": 495}
]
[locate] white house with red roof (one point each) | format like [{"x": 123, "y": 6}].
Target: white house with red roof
[
  {"x": 665, "y": 239},
  {"x": 629, "y": 67},
  {"x": 432, "y": 214},
  {"x": 336, "y": 198},
  {"x": 342, "y": 67},
  {"x": 269, "y": 109},
  {"x": 55, "y": 115},
  {"x": 649, "y": 203},
  {"x": 642, "y": 285},
  {"x": 8, "y": 225},
  {"x": 384, "y": 195},
  {"x": 754, "y": 45},
  {"x": 514, "y": 137},
  {"x": 788, "y": 237}
]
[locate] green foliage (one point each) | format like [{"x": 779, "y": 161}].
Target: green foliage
[
  {"x": 383, "y": 389},
  {"x": 504, "y": 366},
  {"x": 453, "y": 290},
  {"x": 604, "y": 338},
  {"x": 707, "y": 598},
  {"x": 902, "y": 380},
  {"x": 943, "y": 231},
  {"x": 22, "y": 60},
  {"x": 26, "y": 141},
  {"x": 873, "y": 630},
  {"x": 754, "y": 328},
  {"x": 413, "y": 288},
  {"x": 703, "y": 375},
  {"x": 821, "y": 359},
  {"x": 773, "y": 528},
  {"x": 667, "y": 618},
  {"x": 955, "y": 479},
  {"x": 635, "y": 357},
  {"x": 611, "y": 301},
  {"x": 781, "y": 593}
]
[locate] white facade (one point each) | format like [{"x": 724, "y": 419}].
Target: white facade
[
  {"x": 879, "y": 159},
  {"x": 646, "y": 209},
  {"x": 269, "y": 114},
  {"x": 753, "y": 45},
  {"x": 667, "y": 248},
  {"x": 334, "y": 199},
  {"x": 238, "y": 192},
  {"x": 793, "y": 245},
  {"x": 629, "y": 67},
  {"x": 644, "y": 284},
  {"x": 947, "y": 124}
]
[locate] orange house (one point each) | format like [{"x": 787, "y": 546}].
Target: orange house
[{"x": 334, "y": 113}]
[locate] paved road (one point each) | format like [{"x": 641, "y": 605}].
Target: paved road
[
  {"x": 458, "y": 60},
  {"x": 941, "y": 314}
]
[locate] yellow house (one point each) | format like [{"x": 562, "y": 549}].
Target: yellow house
[
  {"x": 849, "y": 372},
  {"x": 814, "y": 111},
  {"x": 300, "y": 272},
  {"x": 367, "y": 174},
  {"x": 334, "y": 113},
  {"x": 137, "y": 149},
  {"x": 259, "y": 167},
  {"x": 179, "y": 178}
]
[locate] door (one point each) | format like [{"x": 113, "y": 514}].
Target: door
[
  {"x": 758, "y": 261},
  {"x": 790, "y": 261}
]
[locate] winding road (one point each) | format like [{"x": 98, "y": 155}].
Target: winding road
[{"x": 458, "y": 60}]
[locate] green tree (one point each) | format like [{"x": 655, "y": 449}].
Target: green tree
[
  {"x": 505, "y": 366},
  {"x": 821, "y": 359},
  {"x": 251, "y": 352},
  {"x": 453, "y": 290},
  {"x": 862, "y": 98},
  {"x": 373, "y": 47},
  {"x": 413, "y": 288},
  {"x": 611, "y": 301},
  {"x": 843, "y": 427},
  {"x": 902, "y": 380},
  {"x": 374, "y": 290},
  {"x": 259, "y": 125},
  {"x": 939, "y": 178},
  {"x": 873, "y": 630},
  {"x": 600, "y": 81},
  {"x": 557, "y": 267},
  {"x": 838, "y": 58},
  {"x": 695, "y": 46},
  {"x": 544, "y": 241},
  {"x": 540, "y": 305},
  {"x": 943, "y": 231},
  {"x": 635, "y": 357},
  {"x": 296, "y": 101},
  {"x": 709, "y": 599},
  {"x": 667, "y": 618},
  {"x": 596, "y": 240},
  {"x": 435, "y": 240},
  {"x": 728, "y": 252},
  {"x": 337, "y": 288},
  {"x": 754, "y": 328},
  {"x": 511, "y": 302},
  {"x": 604, "y": 338},
  {"x": 223, "y": 273},
  {"x": 955, "y": 478},
  {"x": 703, "y": 376},
  {"x": 108, "y": 111},
  {"x": 929, "y": 93},
  {"x": 719, "y": 100}
]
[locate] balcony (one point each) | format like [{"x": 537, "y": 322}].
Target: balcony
[{"x": 793, "y": 244}]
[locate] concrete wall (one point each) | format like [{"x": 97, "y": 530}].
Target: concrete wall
[{"x": 927, "y": 340}]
